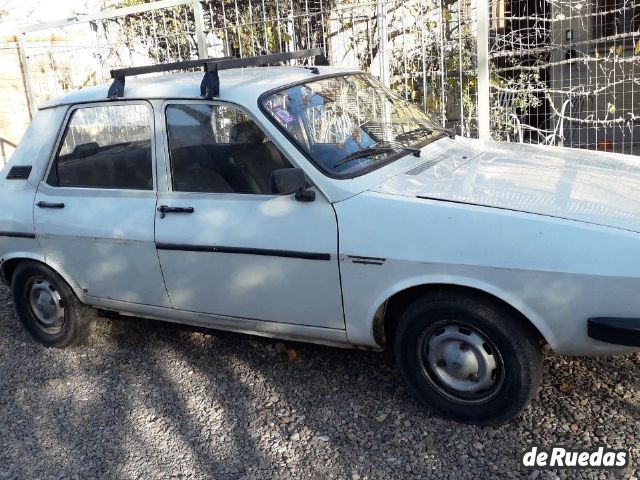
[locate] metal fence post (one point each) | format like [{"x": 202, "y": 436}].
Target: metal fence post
[
  {"x": 26, "y": 74},
  {"x": 484, "y": 127},
  {"x": 201, "y": 38},
  {"x": 383, "y": 38}
]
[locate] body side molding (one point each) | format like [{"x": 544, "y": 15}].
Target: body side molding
[
  {"x": 17, "y": 234},
  {"x": 242, "y": 250}
]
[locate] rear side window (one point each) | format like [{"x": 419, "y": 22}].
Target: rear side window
[{"x": 106, "y": 147}]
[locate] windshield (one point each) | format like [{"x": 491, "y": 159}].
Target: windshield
[{"x": 350, "y": 124}]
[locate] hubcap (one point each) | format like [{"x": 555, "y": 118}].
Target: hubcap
[
  {"x": 461, "y": 362},
  {"x": 46, "y": 305}
]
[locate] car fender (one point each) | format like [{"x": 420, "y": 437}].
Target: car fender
[
  {"x": 359, "y": 336},
  {"x": 50, "y": 262}
]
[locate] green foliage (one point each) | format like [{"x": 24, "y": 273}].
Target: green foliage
[
  {"x": 163, "y": 35},
  {"x": 437, "y": 56}
]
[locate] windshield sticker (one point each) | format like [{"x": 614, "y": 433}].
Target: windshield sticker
[{"x": 282, "y": 114}]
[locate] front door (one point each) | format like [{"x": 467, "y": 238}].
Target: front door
[
  {"x": 94, "y": 213},
  {"x": 227, "y": 245}
]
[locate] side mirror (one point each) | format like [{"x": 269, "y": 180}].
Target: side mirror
[
  {"x": 85, "y": 150},
  {"x": 286, "y": 181}
]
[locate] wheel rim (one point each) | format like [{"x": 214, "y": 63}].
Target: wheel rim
[
  {"x": 46, "y": 305},
  {"x": 461, "y": 362}
]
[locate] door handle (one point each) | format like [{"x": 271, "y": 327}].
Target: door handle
[
  {"x": 42, "y": 204},
  {"x": 164, "y": 209}
]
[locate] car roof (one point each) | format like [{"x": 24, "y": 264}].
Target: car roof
[{"x": 239, "y": 85}]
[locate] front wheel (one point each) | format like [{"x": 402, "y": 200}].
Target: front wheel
[
  {"x": 48, "y": 308},
  {"x": 467, "y": 358}
]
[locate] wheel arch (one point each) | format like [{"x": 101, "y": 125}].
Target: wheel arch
[
  {"x": 9, "y": 263},
  {"x": 389, "y": 310}
]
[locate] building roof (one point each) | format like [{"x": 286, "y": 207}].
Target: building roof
[{"x": 237, "y": 85}]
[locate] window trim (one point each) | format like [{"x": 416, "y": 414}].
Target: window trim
[
  {"x": 225, "y": 103},
  {"x": 63, "y": 132}
]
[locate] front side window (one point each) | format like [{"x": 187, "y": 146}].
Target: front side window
[
  {"x": 349, "y": 124},
  {"x": 219, "y": 149},
  {"x": 106, "y": 147}
]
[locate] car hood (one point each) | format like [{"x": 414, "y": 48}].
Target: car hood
[{"x": 592, "y": 187}]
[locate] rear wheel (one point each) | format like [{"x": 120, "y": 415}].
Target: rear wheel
[
  {"x": 48, "y": 308},
  {"x": 467, "y": 358}
]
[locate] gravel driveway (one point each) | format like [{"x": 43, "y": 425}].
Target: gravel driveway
[{"x": 150, "y": 400}]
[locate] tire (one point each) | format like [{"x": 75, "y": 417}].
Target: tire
[
  {"x": 48, "y": 308},
  {"x": 467, "y": 358}
]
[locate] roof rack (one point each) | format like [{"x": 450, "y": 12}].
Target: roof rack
[
  {"x": 210, "y": 85},
  {"x": 117, "y": 87}
]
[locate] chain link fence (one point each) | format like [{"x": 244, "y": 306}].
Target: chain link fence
[{"x": 559, "y": 72}]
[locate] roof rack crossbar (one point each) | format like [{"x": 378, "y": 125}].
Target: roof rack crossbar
[
  {"x": 116, "y": 89},
  {"x": 227, "y": 63},
  {"x": 210, "y": 86},
  {"x": 163, "y": 67}
]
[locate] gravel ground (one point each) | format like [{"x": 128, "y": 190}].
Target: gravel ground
[{"x": 151, "y": 400}]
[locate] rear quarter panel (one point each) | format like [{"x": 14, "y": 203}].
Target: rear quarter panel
[
  {"x": 17, "y": 238},
  {"x": 17, "y": 235},
  {"x": 557, "y": 273}
]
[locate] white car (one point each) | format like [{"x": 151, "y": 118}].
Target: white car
[{"x": 313, "y": 204}]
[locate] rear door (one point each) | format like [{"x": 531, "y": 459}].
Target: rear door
[
  {"x": 227, "y": 245},
  {"x": 94, "y": 212}
]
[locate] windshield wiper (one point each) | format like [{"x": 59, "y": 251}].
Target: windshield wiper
[
  {"x": 416, "y": 131},
  {"x": 365, "y": 152},
  {"x": 375, "y": 150},
  {"x": 448, "y": 133},
  {"x": 398, "y": 146}
]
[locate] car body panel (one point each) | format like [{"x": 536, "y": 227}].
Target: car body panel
[
  {"x": 287, "y": 331},
  {"x": 17, "y": 195},
  {"x": 35, "y": 147},
  {"x": 578, "y": 185},
  {"x": 17, "y": 200},
  {"x": 270, "y": 236},
  {"x": 97, "y": 243},
  {"x": 238, "y": 85},
  {"x": 258, "y": 222},
  {"x": 17, "y": 233},
  {"x": 557, "y": 273}
]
